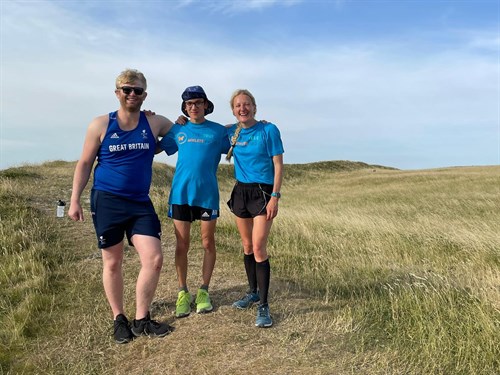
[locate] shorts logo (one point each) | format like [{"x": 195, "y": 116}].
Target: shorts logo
[{"x": 102, "y": 240}]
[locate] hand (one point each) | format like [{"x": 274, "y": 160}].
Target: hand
[
  {"x": 272, "y": 208},
  {"x": 148, "y": 112},
  {"x": 75, "y": 212},
  {"x": 182, "y": 120}
]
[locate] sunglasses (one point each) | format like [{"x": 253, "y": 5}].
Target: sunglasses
[{"x": 128, "y": 89}]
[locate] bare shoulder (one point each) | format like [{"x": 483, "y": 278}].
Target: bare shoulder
[
  {"x": 159, "y": 124},
  {"x": 99, "y": 124}
]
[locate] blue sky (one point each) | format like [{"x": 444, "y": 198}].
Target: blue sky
[{"x": 402, "y": 83}]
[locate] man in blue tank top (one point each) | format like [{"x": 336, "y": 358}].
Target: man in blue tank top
[
  {"x": 123, "y": 143},
  {"x": 194, "y": 194}
]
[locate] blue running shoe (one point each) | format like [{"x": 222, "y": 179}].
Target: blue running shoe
[
  {"x": 263, "y": 317},
  {"x": 248, "y": 300}
]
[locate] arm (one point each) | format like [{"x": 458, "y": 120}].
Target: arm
[
  {"x": 160, "y": 125},
  {"x": 272, "y": 206},
  {"x": 93, "y": 139}
]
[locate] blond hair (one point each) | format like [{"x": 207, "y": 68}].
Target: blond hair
[
  {"x": 236, "y": 134},
  {"x": 243, "y": 92},
  {"x": 129, "y": 76},
  {"x": 234, "y": 138}
]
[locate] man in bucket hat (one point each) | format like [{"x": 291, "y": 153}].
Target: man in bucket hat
[{"x": 194, "y": 194}]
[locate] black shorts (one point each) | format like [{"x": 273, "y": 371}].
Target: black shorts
[
  {"x": 249, "y": 200},
  {"x": 114, "y": 216},
  {"x": 185, "y": 212}
]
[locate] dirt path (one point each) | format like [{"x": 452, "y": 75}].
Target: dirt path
[{"x": 307, "y": 336}]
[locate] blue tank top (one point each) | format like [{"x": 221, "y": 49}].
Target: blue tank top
[{"x": 124, "y": 160}]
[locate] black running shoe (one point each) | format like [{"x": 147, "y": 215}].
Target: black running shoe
[
  {"x": 122, "y": 331},
  {"x": 150, "y": 328}
]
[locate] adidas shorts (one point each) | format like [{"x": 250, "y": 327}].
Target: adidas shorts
[
  {"x": 114, "y": 216},
  {"x": 249, "y": 200},
  {"x": 185, "y": 212}
]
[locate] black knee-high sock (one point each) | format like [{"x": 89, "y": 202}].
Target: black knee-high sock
[
  {"x": 249, "y": 261},
  {"x": 263, "y": 277}
]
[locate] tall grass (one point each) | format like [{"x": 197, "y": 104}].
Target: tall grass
[
  {"x": 415, "y": 257},
  {"x": 375, "y": 271},
  {"x": 29, "y": 256}
]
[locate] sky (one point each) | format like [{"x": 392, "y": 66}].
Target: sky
[{"x": 409, "y": 84}]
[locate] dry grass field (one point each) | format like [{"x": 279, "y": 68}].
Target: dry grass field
[{"x": 374, "y": 271}]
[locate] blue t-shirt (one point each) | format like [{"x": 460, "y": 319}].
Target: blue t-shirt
[
  {"x": 254, "y": 151},
  {"x": 200, "y": 147},
  {"x": 124, "y": 160}
]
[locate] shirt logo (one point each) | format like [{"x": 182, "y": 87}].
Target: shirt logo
[{"x": 181, "y": 138}]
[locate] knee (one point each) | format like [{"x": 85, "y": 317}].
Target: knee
[
  {"x": 247, "y": 247},
  {"x": 181, "y": 247},
  {"x": 113, "y": 266},
  {"x": 260, "y": 253},
  {"x": 153, "y": 262},
  {"x": 157, "y": 263},
  {"x": 208, "y": 244}
]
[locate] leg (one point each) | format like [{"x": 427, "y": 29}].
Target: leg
[
  {"x": 209, "y": 257},
  {"x": 245, "y": 227},
  {"x": 262, "y": 227},
  {"x": 182, "y": 235},
  {"x": 150, "y": 254},
  {"x": 112, "y": 277}
]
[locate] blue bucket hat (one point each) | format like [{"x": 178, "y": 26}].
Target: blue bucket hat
[{"x": 196, "y": 92}]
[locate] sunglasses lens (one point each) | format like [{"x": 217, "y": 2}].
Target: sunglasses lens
[{"x": 137, "y": 90}]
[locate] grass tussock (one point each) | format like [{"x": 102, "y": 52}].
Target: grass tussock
[{"x": 375, "y": 271}]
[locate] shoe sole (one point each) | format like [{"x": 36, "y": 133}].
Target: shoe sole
[
  {"x": 205, "y": 310},
  {"x": 152, "y": 335},
  {"x": 124, "y": 341},
  {"x": 243, "y": 307}
]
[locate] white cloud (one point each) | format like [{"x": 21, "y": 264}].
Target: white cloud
[{"x": 331, "y": 101}]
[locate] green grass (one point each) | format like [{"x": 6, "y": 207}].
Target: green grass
[{"x": 374, "y": 271}]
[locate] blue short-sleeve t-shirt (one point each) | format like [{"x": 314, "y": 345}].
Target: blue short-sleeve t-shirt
[
  {"x": 199, "y": 149},
  {"x": 254, "y": 151}
]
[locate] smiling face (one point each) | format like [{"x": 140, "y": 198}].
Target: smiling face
[
  {"x": 130, "y": 96},
  {"x": 244, "y": 109},
  {"x": 195, "y": 108}
]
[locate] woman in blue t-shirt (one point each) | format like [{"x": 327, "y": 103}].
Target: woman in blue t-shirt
[{"x": 258, "y": 167}]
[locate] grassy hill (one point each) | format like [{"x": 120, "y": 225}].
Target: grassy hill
[{"x": 374, "y": 271}]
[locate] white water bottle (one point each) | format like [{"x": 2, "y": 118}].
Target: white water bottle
[{"x": 60, "y": 208}]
